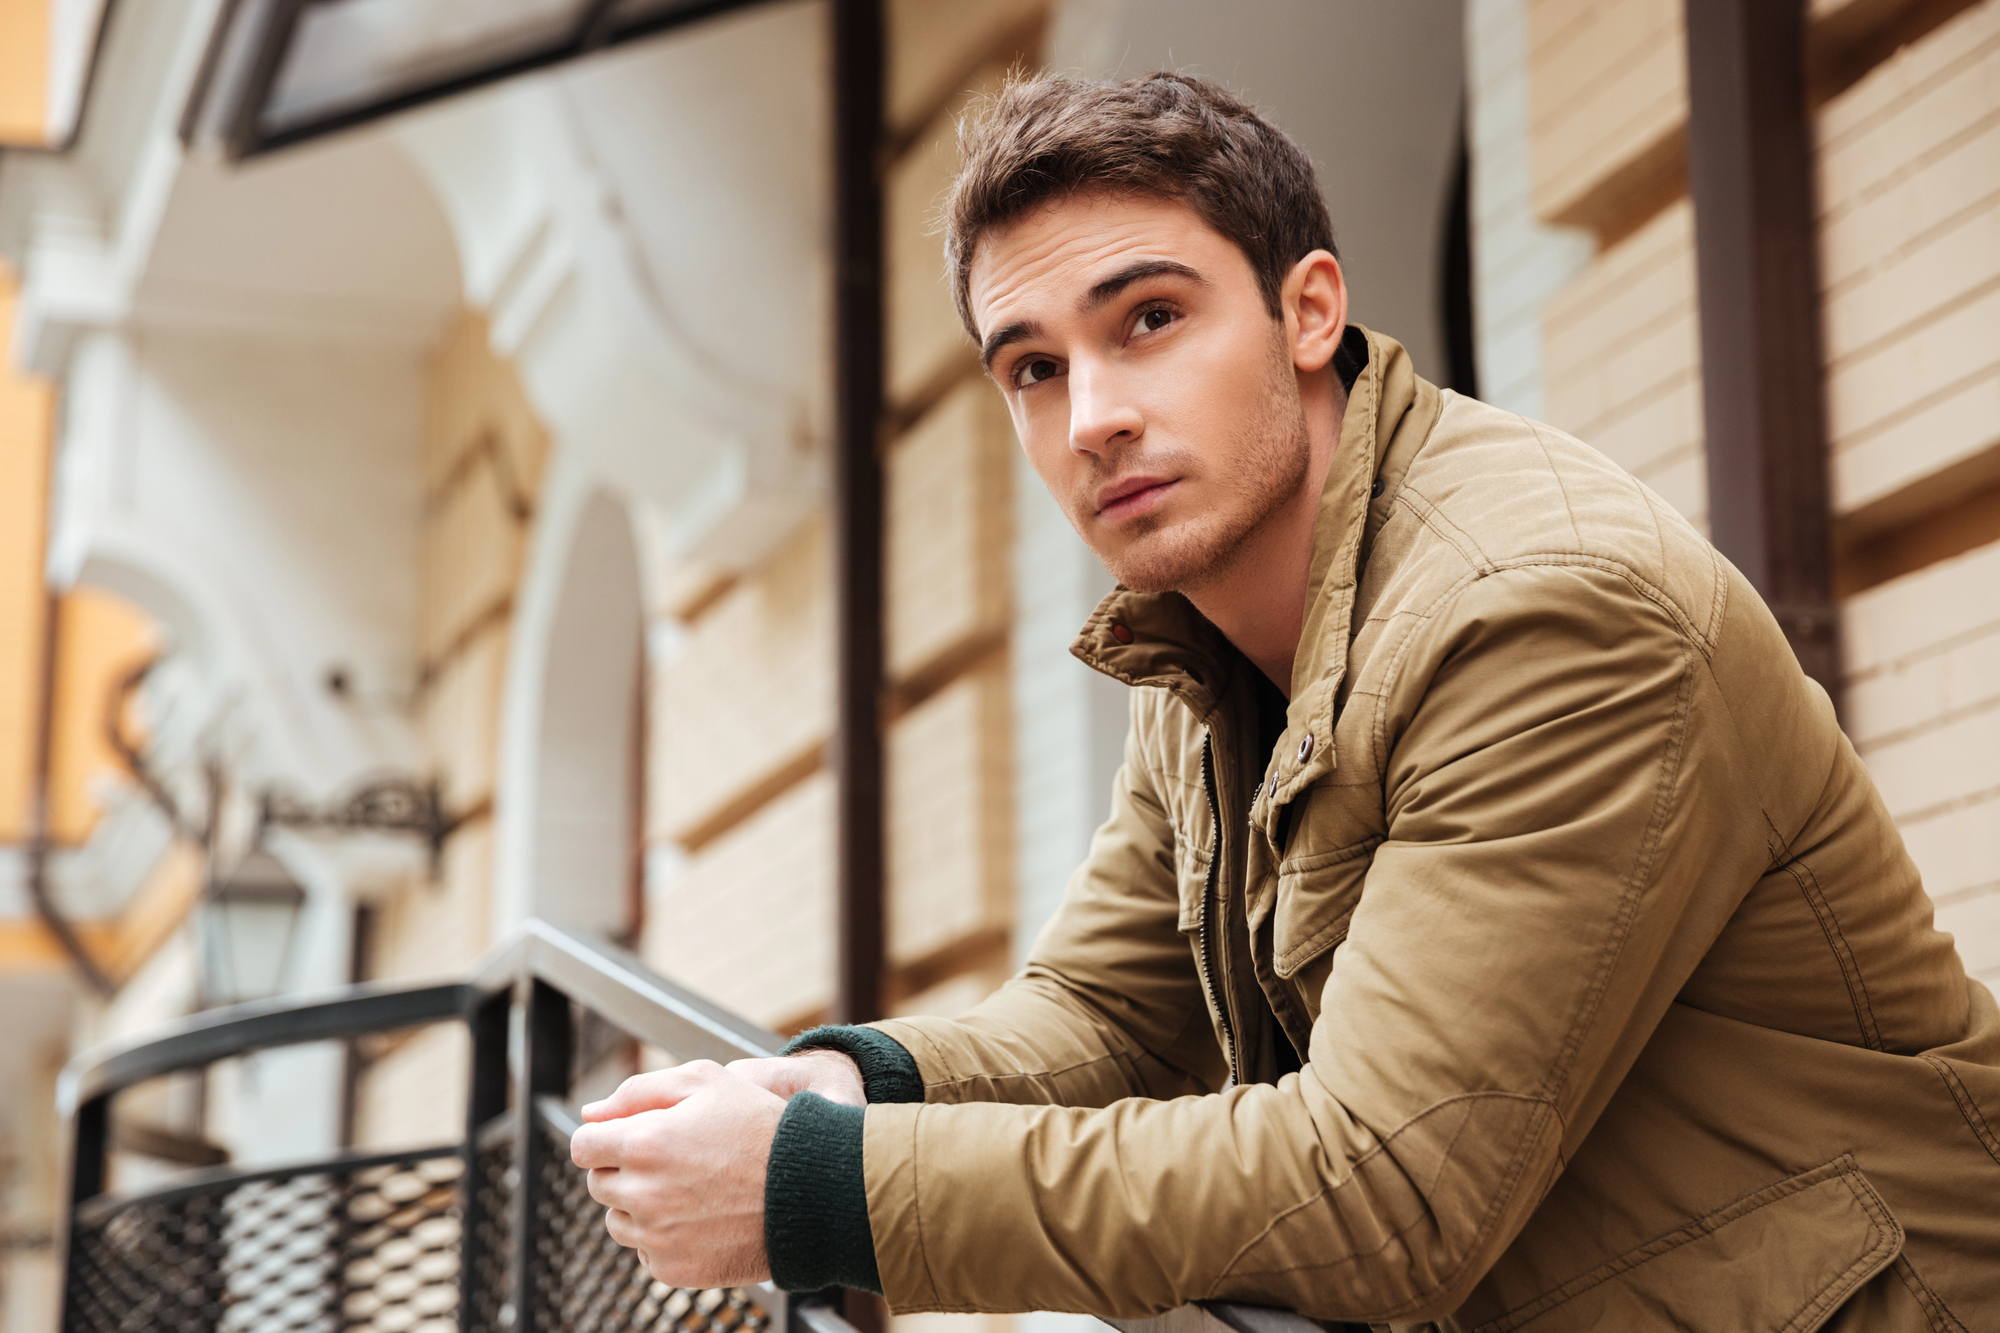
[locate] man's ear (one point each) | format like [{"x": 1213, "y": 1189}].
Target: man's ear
[{"x": 1313, "y": 302}]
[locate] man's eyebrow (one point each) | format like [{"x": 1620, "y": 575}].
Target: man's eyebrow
[
  {"x": 1019, "y": 331},
  {"x": 1138, "y": 271}
]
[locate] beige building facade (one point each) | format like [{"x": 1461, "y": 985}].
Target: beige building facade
[{"x": 1585, "y": 239}]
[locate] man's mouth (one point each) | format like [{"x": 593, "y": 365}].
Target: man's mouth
[{"x": 1132, "y": 496}]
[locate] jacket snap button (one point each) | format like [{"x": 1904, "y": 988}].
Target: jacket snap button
[
  {"x": 1120, "y": 633},
  {"x": 1305, "y": 747},
  {"x": 1375, "y": 491}
]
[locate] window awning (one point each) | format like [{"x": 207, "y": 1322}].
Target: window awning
[{"x": 280, "y": 72}]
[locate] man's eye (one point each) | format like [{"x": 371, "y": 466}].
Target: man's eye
[
  {"x": 1152, "y": 321},
  {"x": 1034, "y": 370}
]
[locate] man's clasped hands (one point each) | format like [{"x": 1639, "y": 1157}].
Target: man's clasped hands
[{"x": 679, "y": 1155}]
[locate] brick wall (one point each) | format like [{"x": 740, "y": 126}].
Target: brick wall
[
  {"x": 1622, "y": 358},
  {"x": 1910, "y": 183},
  {"x": 1910, "y": 245},
  {"x": 1909, "y": 178},
  {"x": 1609, "y": 80},
  {"x": 1923, "y": 707}
]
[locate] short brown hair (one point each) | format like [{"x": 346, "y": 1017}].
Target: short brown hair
[{"x": 1168, "y": 135}]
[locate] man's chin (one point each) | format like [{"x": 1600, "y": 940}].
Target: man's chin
[{"x": 1159, "y": 561}]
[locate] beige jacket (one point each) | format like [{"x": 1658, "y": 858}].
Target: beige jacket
[{"x": 1621, "y": 1002}]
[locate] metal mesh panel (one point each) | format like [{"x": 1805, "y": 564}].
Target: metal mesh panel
[
  {"x": 494, "y": 1183},
  {"x": 321, "y": 1249},
  {"x": 586, "y": 1283}
]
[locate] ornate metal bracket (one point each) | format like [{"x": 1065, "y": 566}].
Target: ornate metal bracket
[{"x": 389, "y": 804}]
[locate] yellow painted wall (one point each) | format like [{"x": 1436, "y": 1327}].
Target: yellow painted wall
[
  {"x": 26, "y": 417},
  {"x": 24, "y": 71},
  {"x": 99, "y": 638}
]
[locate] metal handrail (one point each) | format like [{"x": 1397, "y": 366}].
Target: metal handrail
[
  {"x": 602, "y": 977},
  {"x": 618, "y": 985},
  {"x": 518, "y": 1006},
  {"x": 256, "y": 1026},
  {"x": 541, "y": 971}
]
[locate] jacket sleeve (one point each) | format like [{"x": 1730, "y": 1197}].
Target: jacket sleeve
[
  {"x": 1560, "y": 779},
  {"x": 1109, "y": 1004}
]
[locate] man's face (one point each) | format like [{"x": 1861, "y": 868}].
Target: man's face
[{"x": 1149, "y": 384}]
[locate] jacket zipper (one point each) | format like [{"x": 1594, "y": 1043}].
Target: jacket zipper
[{"x": 1210, "y": 905}]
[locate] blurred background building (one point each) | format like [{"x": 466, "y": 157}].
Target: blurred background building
[{"x": 409, "y": 530}]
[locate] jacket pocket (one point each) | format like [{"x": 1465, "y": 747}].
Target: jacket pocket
[
  {"x": 1316, "y": 900},
  {"x": 1782, "y": 1259}
]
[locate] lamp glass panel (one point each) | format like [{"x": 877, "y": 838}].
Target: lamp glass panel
[
  {"x": 347, "y": 54},
  {"x": 248, "y": 924}
]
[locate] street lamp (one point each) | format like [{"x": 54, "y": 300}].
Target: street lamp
[{"x": 249, "y": 920}]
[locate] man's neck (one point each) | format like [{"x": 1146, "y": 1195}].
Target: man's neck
[{"x": 1258, "y": 599}]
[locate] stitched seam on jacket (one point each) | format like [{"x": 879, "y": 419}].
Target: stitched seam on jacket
[
  {"x": 1653, "y": 512},
  {"x": 1445, "y": 530},
  {"x": 1305, "y": 951},
  {"x": 1662, "y": 804},
  {"x": 1321, "y": 860},
  {"x": 1394, "y": 671},
  {"x": 1843, "y": 1286},
  {"x": 1575, "y": 529},
  {"x": 1967, "y": 1108},
  {"x": 1843, "y": 953},
  {"x": 1940, "y": 1319},
  {"x": 1635, "y": 880},
  {"x": 1699, "y": 1228},
  {"x": 1720, "y": 606},
  {"x": 1640, "y": 584},
  {"x": 1547, "y": 560},
  {"x": 1111, "y": 1057},
  {"x": 917, "y": 1200},
  {"x": 1354, "y": 1170}
]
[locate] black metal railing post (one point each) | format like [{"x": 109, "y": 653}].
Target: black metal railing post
[
  {"x": 542, "y": 1071},
  {"x": 89, "y": 1148},
  {"x": 486, "y": 1099}
]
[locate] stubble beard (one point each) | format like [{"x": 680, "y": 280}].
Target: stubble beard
[{"x": 1270, "y": 466}]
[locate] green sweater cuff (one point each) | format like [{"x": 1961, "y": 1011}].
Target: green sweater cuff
[
  {"x": 816, "y": 1231},
  {"x": 888, "y": 1070}
]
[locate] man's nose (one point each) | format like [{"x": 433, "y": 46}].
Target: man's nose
[{"x": 1103, "y": 413}]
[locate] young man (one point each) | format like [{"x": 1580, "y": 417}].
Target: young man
[{"x": 1492, "y": 925}]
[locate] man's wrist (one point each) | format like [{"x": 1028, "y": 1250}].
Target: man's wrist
[
  {"x": 888, "y": 1070},
  {"x": 816, "y": 1229}
]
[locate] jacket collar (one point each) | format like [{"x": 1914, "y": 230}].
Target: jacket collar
[{"x": 1159, "y": 639}]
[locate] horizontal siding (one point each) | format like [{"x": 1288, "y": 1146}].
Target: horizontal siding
[
  {"x": 1923, "y": 707},
  {"x": 1609, "y": 80},
  {"x": 748, "y": 922},
  {"x": 751, "y": 690},
  {"x": 950, "y": 831},
  {"x": 1910, "y": 202},
  {"x": 1623, "y": 360},
  {"x": 949, "y": 504},
  {"x": 1517, "y": 261}
]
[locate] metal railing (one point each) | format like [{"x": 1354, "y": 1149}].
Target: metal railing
[{"x": 492, "y": 1232}]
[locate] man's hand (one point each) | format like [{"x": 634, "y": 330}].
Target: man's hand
[
  {"x": 831, "y": 1074},
  {"x": 679, "y": 1156}
]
